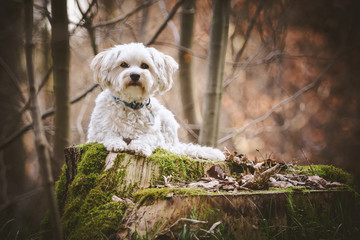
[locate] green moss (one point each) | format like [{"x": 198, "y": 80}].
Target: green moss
[
  {"x": 149, "y": 195},
  {"x": 327, "y": 172},
  {"x": 102, "y": 221},
  {"x": 95, "y": 155},
  {"x": 180, "y": 167},
  {"x": 61, "y": 188},
  {"x": 87, "y": 212}
]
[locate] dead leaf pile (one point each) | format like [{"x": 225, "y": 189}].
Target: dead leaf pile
[{"x": 257, "y": 175}]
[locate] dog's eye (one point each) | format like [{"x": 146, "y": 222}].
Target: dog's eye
[
  {"x": 144, "y": 66},
  {"x": 124, "y": 65}
]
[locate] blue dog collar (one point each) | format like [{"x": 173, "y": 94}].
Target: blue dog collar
[{"x": 134, "y": 105}]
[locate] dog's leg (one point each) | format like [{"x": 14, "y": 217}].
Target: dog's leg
[
  {"x": 114, "y": 144},
  {"x": 145, "y": 144}
]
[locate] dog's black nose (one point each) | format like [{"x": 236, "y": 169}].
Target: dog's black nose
[{"x": 134, "y": 76}]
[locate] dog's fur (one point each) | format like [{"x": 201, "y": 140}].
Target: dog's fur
[{"x": 122, "y": 128}]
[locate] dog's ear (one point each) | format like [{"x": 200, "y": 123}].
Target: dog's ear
[
  {"x": 165, "y": 66},
  {"x": 100, "y": 66}
]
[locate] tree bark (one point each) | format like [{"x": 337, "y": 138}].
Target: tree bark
[
  {"x": 61, "y": 59},
  {"x": 191, "y": 113},
  {"x": 144, "y": 20},
  {"x": 40, "y": 140},
  {"x": 13, "y": 157},
  {"x": 215, "y": 71}
]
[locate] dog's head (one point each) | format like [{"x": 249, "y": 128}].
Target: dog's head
[{"x": 134, "y": 72}]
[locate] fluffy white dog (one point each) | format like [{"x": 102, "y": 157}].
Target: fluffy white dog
[{"x": 126, "y": 117}]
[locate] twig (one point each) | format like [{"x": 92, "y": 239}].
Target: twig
[
  {"x": 45, "y": 79},
  {"x": 162, "y": 27},
  {"x": 13, "y": 77},
  {"x": 125, "y": 16},
  {"x": 187, "y": 220},
  {"x": 308, "y": 162},
  {"x": 170, "y": 23},
  {"x": 44, "y": 11},
  {"x": 214, "y": 226},
  {"x": 243, "y": 66},
  {"x": 182, "y": 123},
  {"x": 182, "y": 48},
  {"x": 248, "y": 31},
  {"x": 268, "y": 58},
  {"x": 285, "y": 101},
  {"x": 86, "y": 22}
]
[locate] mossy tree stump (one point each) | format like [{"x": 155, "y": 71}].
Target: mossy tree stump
[{"x": 92, "y": 177}]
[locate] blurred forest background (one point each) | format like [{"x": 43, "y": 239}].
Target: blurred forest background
[{"x": 290, "y": 82}]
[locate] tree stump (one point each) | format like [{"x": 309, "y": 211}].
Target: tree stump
[{"x": 125, "y": 196}]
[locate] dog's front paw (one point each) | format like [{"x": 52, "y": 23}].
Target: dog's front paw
[
  {"x": 115, "y": 146},
  {"x": 140, "y": 148}
]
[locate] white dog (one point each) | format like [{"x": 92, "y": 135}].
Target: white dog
[{"x": 126, "y": 117}]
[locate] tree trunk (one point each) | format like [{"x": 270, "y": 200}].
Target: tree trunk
[
  {"x": 61, "y": 58},
  {"x": 190, "y": 111},
  {"x": 144, "y": 20},
  {"x": 13, "y": 156},
  {"x": 215, "y": 71},
  {"x": 40, "y": 140}
]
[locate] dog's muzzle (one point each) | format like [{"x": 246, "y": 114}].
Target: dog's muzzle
[{"x": 134, "y": 76}]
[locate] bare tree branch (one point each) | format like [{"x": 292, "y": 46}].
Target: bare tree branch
[
  {"x": 125, "y": 16},
  {"x": 44, "y": 11},
  {"x": 39, "y": 134},
  {"x": 248, "y": 31},
  {"x": 162, "y": 27},
  {"x": 285, "y": 101},
  {"x": 181, "y": 122},
  {"x": 268, "y": 58},
  {"x": 13, "y": 77},
  {"x": 86, "y": 22},
  {"x": 47, "y": 113},
  {"x": 171, "y": 24},
  {"x": 187, "y": 220},
  {"x": 45, "y": 79}
]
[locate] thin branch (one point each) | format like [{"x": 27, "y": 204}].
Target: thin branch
[
  {"x": 285, "y": 101},
  {"x": 162, "y": 27},
  {"x": 27, "y": 104},
  {"x": 44, "y": 11},
  {"x": 87, "y": 91},
  {"x": 181, "y": 122},
  {"x": 182, "y": 48},
  {"x": 248, "y": 31},
  {"x": 47, "y": 113},
  {"x": 79, "y": 7},
  {"x": 125, "y": 16},
  {"x": 45, "y": 79},
  {"x": 13, "y": 77},
  {"x": 187, "y": 220},
  {"x": 171, "y": 24},
  {"x": 42, "y": 151},
  {"x": 268, "y": 58},
  {"x": 243, "y": 66}
]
